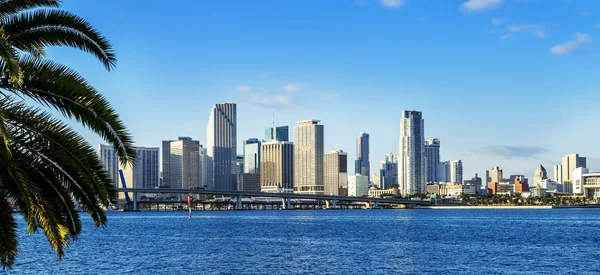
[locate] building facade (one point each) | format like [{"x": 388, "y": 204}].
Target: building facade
[
  {"x": 443, "y": 171},
  {"x": 221, "y": 145},
  {"x": 279, "y": 133},
  {"x": 181, "y": 163},
  {"x": 252, "y": 156},
  {"x": 411, "y": 162},
  {"x": 110, "y": 161},
  {"x": 336, "y": 172},
  {"x": 144, "y": 173},
  {"x": 494, "y": 175},
  {"x": 539, "y": 175},
  {"x": 362, "y": 164},
  {"x": 358, "y": 185},
  {"x": 558, "y": 173},
  {"x": 277, "y": 167},
  {"x": 432, "y": 152},
  {"x": 249, "y": 182},
  {"x": 569, "y": 163},
  {"x": 388, "y": 174},
  {"x": 308, "y": 157},
  {"x": 456, "y": 171}
]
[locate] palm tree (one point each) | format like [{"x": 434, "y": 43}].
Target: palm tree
[{"x": 45, "y": 166}]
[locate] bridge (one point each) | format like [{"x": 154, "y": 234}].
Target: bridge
[{"x": 331, "y": 201}]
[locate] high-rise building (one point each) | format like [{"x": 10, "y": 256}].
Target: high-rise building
[
  {"x": 443, "y": 171},
  {"x": 391, "y": 157},
  {"x": 411, "y": 163},
  {"x": 362, "y": 164},
  {"x": 358, "y": 185},
  {"x": 539, "y": 175},
  {"x": 456, "y": 171},
  {"x": 203, "y": 166},
  {"x": 493, "y": 175},
  {"x": 181, "y": 163},
  {"x": 432, "y": 152},
  {"x": 388, "y": 174},
  {"x": 144, "y": 173},
  {"x": 279, "y": 133},
  {"x": 277, "y": 167},
  {"x": 110, "y": 161},
  {"x": 252, "y": 156},
  {"x": 308, "y": 157},
  {"x": 221, "y": 145},
  {"x": 335, "y": 172},
  {"x": 569, "y": 163},
  {"x": 558, "y": 173}
]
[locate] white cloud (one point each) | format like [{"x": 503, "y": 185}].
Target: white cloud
[
  {"x": 392, "y": 3},
  {"x": 271, "y": 100},
  {"x": 536, "y": 30},
  {"x": 479, "y": 5},
  {"x": 570, "y": 46},
  {"x": 244, "y": 89},
  {"x": 497, "y": 21},
  {"x": 293, "y": 88}
]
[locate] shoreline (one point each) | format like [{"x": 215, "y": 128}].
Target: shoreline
[{"x": 487, "y": 207}]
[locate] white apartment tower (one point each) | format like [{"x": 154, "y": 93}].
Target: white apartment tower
[
  {"x": 109, "y": 159},
  {"x": 221, "y": 142},
  {"x": 308, "y": 157},
  {"x": 456, "y": 171},
  {"x": 411, "y": 162}
]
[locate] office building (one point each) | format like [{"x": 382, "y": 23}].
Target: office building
[
  {"x": 181, "y": 163},
  {"x": 477, "y": 182},
  {"x": 588, "y": 182},
  {"x": 411, "y": 162},
  {"x": 249, "y": 182},
  {"x": 388, "y": 174},
  {"x": 252, "y": 156},
  {"x": 277, "y": 167},
  {"x": 456, "y": 171},
  {"x": 358, "y": 185},
  {"x": 493, "y": 175},
  {"x": 539, "y": 175},
  {"x": 443, "y": 171},
  {"x": 558, "y": 173},
  {"x": 432, "y": 152},
  {"x": 221, "y": 145},
  {"x": 110, "y": 161},
  {"x": 362, "y": 164},
  {"x": 336, "y": 172},
  {"x": 308, "y": 157},
  {"x": 569, "y": 163},
  {"x": 144, "y": 173},
  {"x": 280, "y": 133}
]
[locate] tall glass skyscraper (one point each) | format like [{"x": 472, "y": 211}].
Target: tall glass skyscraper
[
  {"x": 252, "y": 156},
  {"x": 221, "y": 146},
  {"x": 362, "y": 165},
  {"x": 279, "y": 133},
  {"x": 411, "y": 162}
]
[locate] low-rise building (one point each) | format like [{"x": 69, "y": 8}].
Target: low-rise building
[
  {"x": 588, "y": 183},
  {"x": 249, "y": 182},
  {"x": 377, "y": 193},
  {"x": 495, "y": 188}
]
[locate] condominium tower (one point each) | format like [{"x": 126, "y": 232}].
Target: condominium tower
[
  {"x": 221, "y": 142},
  {"x": 308, "y": 157},
  {"x": 411, "y": 162},
  {"x": 362, "y": 165},
  {"x": 432, "y": 152},
  {"x": 336, "y": 172},
  {"x": 109, "y": 159}
]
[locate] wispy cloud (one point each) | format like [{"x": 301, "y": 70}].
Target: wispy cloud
[
  {"x": 573, "y": 45},
  {"x": 536, "y": 30},
  {"x": 244, "y": 88},
  {"x": 497, "y": 21},
  {"x": 270, "y": 100},
  {"x": 392, "y": 3},
  {"x": 506, "y": 36},
  {"x": 293, "y": 88},
  {"x": 511, "y": 152},
  {"x": 480, "y": 5}
]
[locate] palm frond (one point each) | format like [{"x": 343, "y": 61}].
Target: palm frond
[
  {"x": 8, "y": 233},
  {"x": 8, "y": 7}
]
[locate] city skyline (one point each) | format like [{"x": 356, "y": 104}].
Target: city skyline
[{"x": 474, "y": 72}]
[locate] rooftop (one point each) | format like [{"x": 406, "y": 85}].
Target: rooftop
[{"x": 309, "y": 122}]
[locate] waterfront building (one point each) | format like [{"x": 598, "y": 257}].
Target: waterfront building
[
  {"x": 249, "y": 182},
  {"x": 203, "y": 167},
  {"x": 279, "y": 133},
  {"x": 389, "y": 174},
  {"x": 362, "y": 164},
  {"x": 575, "y": 187},
  {"x": 558, "y": 173},
  {"x": 335, "y": 172},
  {"x": 443, "y": 171},
  {"x": 144, "y": 172},
  {"x": 308, "y": 157},
  {"x": 411, "y": 162},
  {"x": 456, "y": 171},
  {"x": 181, "y": 163},
  {"x": 277, "y": 167},
  {"x": 521, "y": 185},
  {"x": 477, "y": 182},
  {"x": 110, "y": 161},
  {"x": 569, "y": 163},
  {"x": 377, "y": 193},
  {"x": 432, "y": 152},
  {"x": 539, "y": 175},
  {"x": 252, "y": 156},
  {"x": 451, "y": 190},
  {"x": 589, "y": 182},
  {"x": 550, "y": 185},
  {"x": 358, "y": 185},
  {"x": 493, "y": 175},
  {"x": 221, "y": 145},
  {"x": 496, "y": 188}
]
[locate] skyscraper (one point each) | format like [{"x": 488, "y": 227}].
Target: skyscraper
[
  {"x": 362, "y": 165},
  {"x": 277, "y": 166},
  {"x": 181, "y": 163},
  {"x": 539, "y": 175},
  {"x": 391, "y": 157},
  {"x": 411, "y": 163},
  {"x": 252, "y": 156},
  {"x": 144, "y": 173},
  {"x": 569, "y": 163},
  {"x": 456, "y": 171},
  {"x": 221, "y": 145},
  {"x": 335, "y": 171},
  {"x": 388, "y": 174},
  {"x": 109, "y": 159},
  {"x": 308, "y": 157},
  {"x": 443, "y": 171},
  {"x": 432, "y": 151},
  {"x": 279, "y": 133},
  {"x": 493, "y": 175},
  {"x": 558, "y": 173}
]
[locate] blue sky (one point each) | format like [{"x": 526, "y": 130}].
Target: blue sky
[{"x": 512, "y": 83}]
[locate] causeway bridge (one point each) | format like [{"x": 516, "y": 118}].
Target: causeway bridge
[{"x": 331, "y": 201}]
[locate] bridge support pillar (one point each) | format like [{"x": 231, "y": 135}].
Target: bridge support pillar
[
  {"x": 135, "y": 204},
  {"x": 332, "y": 204},
  {"x": 375, "y": 205},
  {"x": 238, "y": 202},
  {"x": 286, "y": 203}
]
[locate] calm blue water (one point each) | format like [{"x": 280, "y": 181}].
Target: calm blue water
[{"x": 557, "y": 241}]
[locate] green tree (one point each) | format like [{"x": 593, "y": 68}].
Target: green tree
[{"x": 45, "y": 166}]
